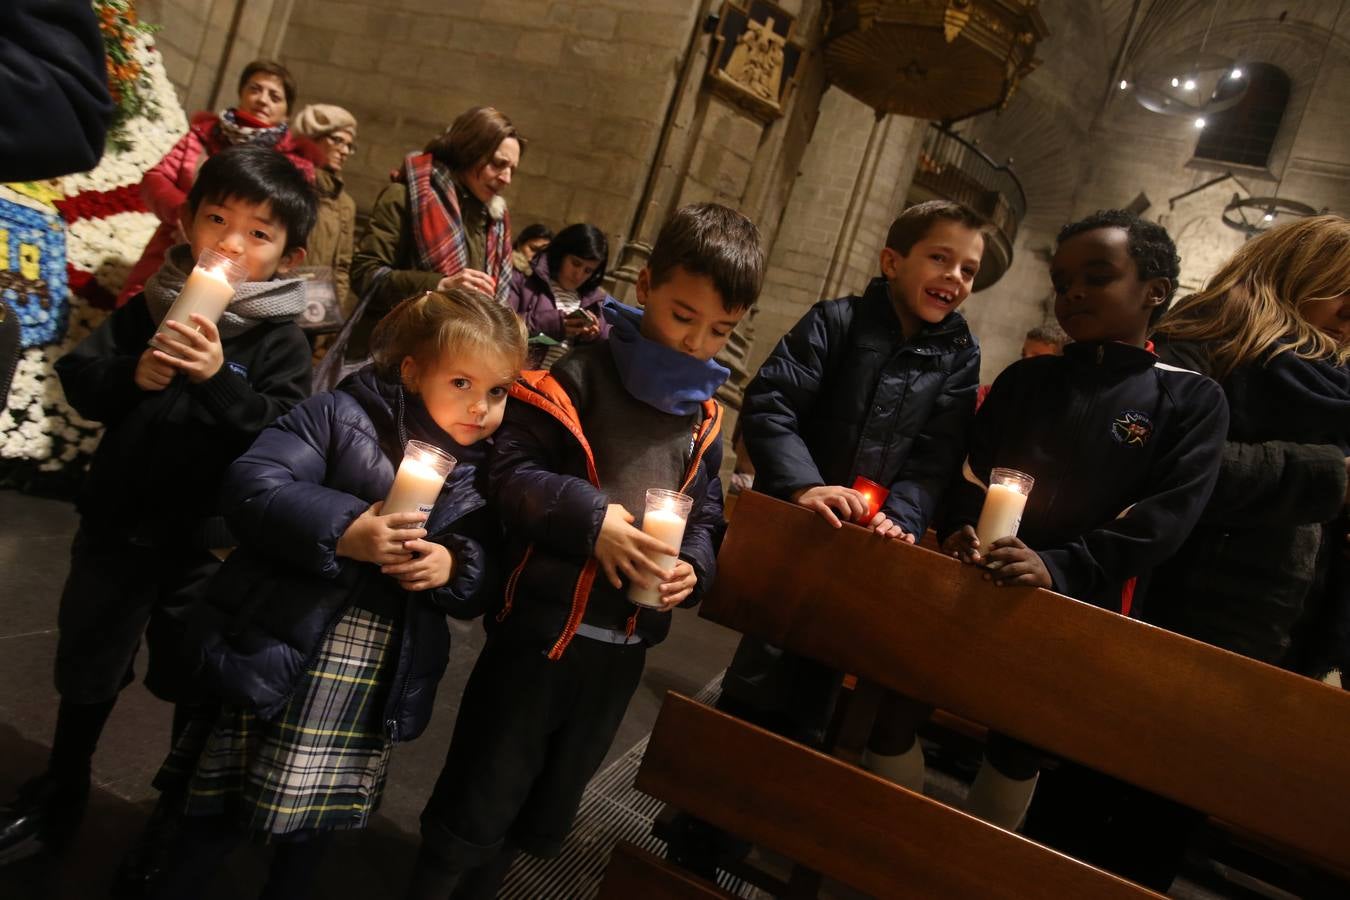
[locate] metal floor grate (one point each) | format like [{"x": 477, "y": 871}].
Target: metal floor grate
[{"x": 611, "y": 810}]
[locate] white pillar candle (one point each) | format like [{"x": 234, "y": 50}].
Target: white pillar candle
[
  {"x": 1003, "y": 505},
  {"x": 664, "y": 519},
  {"x": 419, "y": 480},
  {"x": 208, "y": 291}
]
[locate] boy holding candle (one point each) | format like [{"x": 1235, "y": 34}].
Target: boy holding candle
[
  {"x": 149, "y": 514},
  {"x": 1124, "y": 448},
  {"x": 579, "y": 449}
]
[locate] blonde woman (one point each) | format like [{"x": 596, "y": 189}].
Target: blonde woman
[{"x": 1273, "y": 328}]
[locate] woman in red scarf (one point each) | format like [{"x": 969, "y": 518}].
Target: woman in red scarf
[
  {"x": 442, "y": 224},
  {"x": 266, "y": 93}
]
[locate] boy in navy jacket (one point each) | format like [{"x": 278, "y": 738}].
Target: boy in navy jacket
[
  {"x": 150, "y": 509},
  {"x": 882, "y": 386},
  {"x": 577, "y": 451},
  {"x": 1124, "y": 448}
]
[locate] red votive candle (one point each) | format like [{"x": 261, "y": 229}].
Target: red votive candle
[{"x": 873, "y": 493}]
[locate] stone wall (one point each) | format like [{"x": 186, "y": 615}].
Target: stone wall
[
  {"x": 205, "y": 43},
  {"x": 588, "y": 83},
  {"x": 852, "y": 182},
  {"x": 1079, "y": 144}
]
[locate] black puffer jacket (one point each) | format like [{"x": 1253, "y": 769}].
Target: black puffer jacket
[
  {"x": 844, "y": 394},
  {"x": 1256, "y": 566},
  {"x": 290, "y": 498}
]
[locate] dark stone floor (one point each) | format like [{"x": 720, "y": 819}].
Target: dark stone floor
[{"x": 34, "y": 541}]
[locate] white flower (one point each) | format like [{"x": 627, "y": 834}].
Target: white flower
[{"x": 39, "y": 424}]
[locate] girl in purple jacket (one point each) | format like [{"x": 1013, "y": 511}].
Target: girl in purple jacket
[{"x": 560, "y": 298}]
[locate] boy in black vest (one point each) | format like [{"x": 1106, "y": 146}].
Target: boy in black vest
[
  {"x": 149, "y": 513},
  {"x": 575, "y": 455}
]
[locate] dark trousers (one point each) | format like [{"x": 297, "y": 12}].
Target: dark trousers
[
  {"x": 530, "y": 734},
  {"x": 202, "y": 844},
  {"x": 115, "y": 593},
  {"x": 1111, "y": 824}
]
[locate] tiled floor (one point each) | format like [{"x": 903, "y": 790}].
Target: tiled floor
[{"x": 34, "y": 542}]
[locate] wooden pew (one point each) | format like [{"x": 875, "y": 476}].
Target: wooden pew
[
  {"x": 1262, "y": 749},
  {"x": 633, "y": 872},
  {"x": 838, "y": 819}
]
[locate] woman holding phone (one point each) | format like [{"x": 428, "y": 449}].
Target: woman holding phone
[{"x": 560, "y": 298}]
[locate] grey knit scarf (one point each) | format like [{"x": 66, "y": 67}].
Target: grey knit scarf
[{"x": 255, "y": 302}]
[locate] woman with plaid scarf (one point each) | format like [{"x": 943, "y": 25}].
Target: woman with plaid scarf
[{"x": 441, "y": 225}]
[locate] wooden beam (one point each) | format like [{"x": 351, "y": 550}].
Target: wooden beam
[
  {"x": 845, "y": 822},
  {"x": 1256, "y": 746}
]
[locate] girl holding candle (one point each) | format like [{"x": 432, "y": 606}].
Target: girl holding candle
[
  {"x": 174, "y": 419},
  {"x": 1108, "y": 405},
  {"x": 324, "y": 636}
]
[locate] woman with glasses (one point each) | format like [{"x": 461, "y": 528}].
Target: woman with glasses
[{"x": 333, "y": 129}]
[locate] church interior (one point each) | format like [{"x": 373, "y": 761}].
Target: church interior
[{"x": 819, "y": 121}]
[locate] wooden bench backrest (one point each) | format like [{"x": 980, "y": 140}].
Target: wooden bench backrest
[
  {"x": 845, "y": 822},
  {"x": 1258, "y": 747},
  {"x": 633, "y": 872}
]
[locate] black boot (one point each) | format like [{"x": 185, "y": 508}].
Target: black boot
[
  {"x": 146, "y": 858},
  {"x": 432, "y": 879},
  {"x": 44, "y": 815},
  {"x": 483, "y": 882}
]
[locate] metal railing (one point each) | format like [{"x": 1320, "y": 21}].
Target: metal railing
[{"x": 960, "y": 171}]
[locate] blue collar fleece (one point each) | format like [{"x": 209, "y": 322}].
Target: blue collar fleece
[{"x": 659, "y": 376}]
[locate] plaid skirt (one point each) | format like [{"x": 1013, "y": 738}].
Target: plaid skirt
[{"x": 320, "y": 765}]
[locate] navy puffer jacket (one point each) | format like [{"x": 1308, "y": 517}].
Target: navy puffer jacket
[
  {"x": 844, "y": 394},
  {"x": 289, "y": 499}
]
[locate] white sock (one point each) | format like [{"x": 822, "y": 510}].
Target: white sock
[
  {"x": 998, "y": 799},
  {"x": 906, "y": 769}
]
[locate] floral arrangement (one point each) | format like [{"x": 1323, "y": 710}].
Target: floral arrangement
[
  {"x": 127, "y": 80},
  {"x": 44, "y": 444}
]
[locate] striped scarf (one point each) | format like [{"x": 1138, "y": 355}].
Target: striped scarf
[
  {"x": 232, "y": 131},
  {"x": 438, "y": 230}
]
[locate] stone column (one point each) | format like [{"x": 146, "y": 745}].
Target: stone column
[{"x": 852, "y": 182}]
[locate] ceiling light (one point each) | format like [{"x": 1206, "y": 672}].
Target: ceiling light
[{"x": 1200, "y": 123}]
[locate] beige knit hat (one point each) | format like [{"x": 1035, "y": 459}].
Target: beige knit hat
[{"x": 319, "y": 119}]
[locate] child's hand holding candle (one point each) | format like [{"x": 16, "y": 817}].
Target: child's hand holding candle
[
  {"x": 627, "y": 552},
  {"x": 836, "y": 503},
  {"x": 195, "y": 351},
  {"x": 1001, "y": 514},
  {"x": 429, "y": 568},
  {"x": 375, "y": 537},
  {"x": 1000, "y": 517},
  {"x": 208, "y": 291},
  {"x": 664, "y": 519},
  {"x": 875, "y": 496}
]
